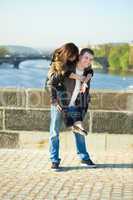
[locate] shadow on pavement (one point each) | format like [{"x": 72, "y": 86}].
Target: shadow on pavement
[
  {"x": 109, "y": 165},
  {"x": 118, "y": 165}
]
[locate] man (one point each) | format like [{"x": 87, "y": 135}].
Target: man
[{"x": 85, "y": 58}]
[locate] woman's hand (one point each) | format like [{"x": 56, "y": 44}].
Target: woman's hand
[
  {"x": 82, "y": 78},
  {"x": 83, "y": 87}
]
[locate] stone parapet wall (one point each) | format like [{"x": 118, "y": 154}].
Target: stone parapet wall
[{"x": 29, "y": 110}]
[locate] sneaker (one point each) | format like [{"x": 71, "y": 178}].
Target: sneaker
[
  {"x": 88, "y": 163},
  {"x": 79, "y": 130},
  {"x": 55, "y": 166}
]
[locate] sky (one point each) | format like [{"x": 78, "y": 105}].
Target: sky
[{"x": 50, "y": 23}]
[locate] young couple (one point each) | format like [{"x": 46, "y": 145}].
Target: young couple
[{"x": 69, "y": 83}]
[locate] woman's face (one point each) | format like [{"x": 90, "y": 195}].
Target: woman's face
[
  {"x": 73, "y": 58},
  {"x": 86, "y": 59}
]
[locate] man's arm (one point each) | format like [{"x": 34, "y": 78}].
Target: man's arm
[{"x": 88, "y": 70}]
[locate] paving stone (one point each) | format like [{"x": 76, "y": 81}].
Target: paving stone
[{"x": 21, "y": 176}]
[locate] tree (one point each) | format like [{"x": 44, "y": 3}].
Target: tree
[
  {"x": 3, "y": 51},
  {"x": 119, "y": 57},
  {"x": 114, "y": 60},
  {"x": 124, "y": 61},
  {"x": 103, "y": 50}
]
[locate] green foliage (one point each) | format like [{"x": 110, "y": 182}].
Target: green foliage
[
  {"x": 99, "y": 52},
  {"x": 114, "y": 60},
  {"x": 3, "y": 51},
  {"x": 124, "y": 61},
  {"x": 119, "y": 57},
  {"x": 103, "y": 50},
  {"x": 117, "y": 54}
]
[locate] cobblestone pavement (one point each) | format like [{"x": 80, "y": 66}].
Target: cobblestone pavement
[{"x": 25, "y": 174}]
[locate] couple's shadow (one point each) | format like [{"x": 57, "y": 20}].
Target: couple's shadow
[{"x": 98, "y": 166}]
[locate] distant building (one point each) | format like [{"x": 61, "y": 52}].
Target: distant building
[{"x": 131, "y": 43}]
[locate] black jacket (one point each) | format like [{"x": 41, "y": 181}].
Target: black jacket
[{"x": 61, "y": 88}]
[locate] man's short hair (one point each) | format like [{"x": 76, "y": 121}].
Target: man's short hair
[{"x": 88, "y": 50}]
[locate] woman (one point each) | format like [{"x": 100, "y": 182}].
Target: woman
[{"x": 62, "y": 63}]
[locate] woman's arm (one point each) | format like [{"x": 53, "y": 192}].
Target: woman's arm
[
  {"x": 89, "y": 74},
  {"x": 88, "y": 78},
  {"x": 77, "y": 77},
  {"x": 52, "y": 84},
  {"x": 85, "y": 83}
]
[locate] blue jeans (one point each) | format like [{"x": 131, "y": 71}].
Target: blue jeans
[
  {"x": 56, "y": 119},
  {"x": 73, "y": 114}
]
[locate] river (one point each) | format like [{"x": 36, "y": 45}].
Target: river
[{"x": 32, "y": 74}]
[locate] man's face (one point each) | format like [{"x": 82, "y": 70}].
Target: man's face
[{"x": 86, "y": 59}]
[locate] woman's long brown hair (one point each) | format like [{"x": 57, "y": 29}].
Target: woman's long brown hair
[{"x": 62, "y": 56}]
